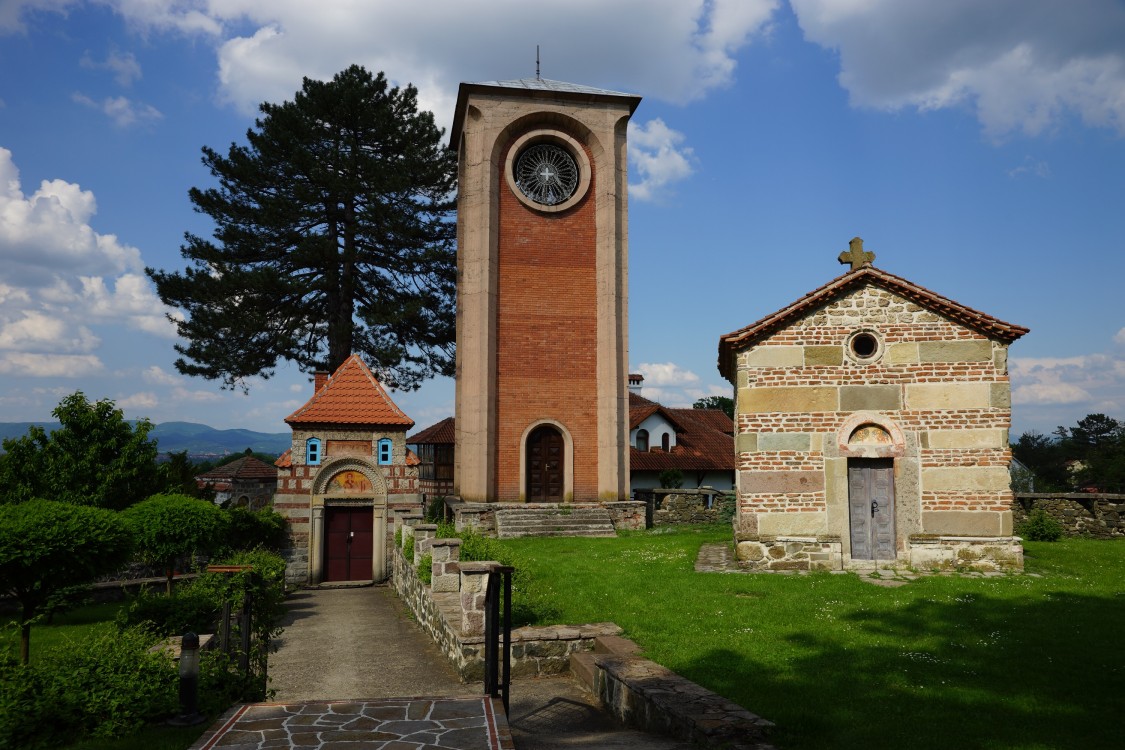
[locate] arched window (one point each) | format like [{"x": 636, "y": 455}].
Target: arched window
[
  {"x": 642, "y": 440},
  {"x": 312, "y": 451},
  {"x": 664, "y": 442},
  {"x": 384, "y": 451}
]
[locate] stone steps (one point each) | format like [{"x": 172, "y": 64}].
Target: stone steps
[{"x": 561, "y": 521}]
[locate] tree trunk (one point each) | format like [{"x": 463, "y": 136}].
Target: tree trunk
[
  {"x": 168, "y": 583},
  {"x": 25, "y": 636}
]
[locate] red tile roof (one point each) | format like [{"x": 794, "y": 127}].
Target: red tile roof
[
  {"x": 738, "y": 340},
  {"x": 285, "y": 460},
  {"x": 441, "y": 433},
  {"x": 352, "y": 396},
  {"x": 704, "y": 441},
  {"x": 246, "y": 467},
  {"x": 412, "y": 458}
]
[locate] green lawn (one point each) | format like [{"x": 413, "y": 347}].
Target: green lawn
[{"x": 943, "y": 662}]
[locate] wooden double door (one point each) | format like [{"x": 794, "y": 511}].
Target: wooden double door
[
  {"x": 349, "y": 543},
  {"x": 546, "y": 464},
  {"x": 871, "y": 508}
]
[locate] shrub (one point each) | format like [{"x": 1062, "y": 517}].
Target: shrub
[
  {"x": 188, "y": 609},
  {"x": 408, "y": 549},
  {"x": 1040, "y": 526},
  {"x": 426, "y": 568},
  {"x": 672, "y": 479},
  {"x": 103, "y": 686},
  {"x": 398, "y": 536},
  {"x": 252, "y": 529},
  {"x": 168, "y": 527},
  {"x": 435, "y": 511},
  {"x": 728, "y": 505}
]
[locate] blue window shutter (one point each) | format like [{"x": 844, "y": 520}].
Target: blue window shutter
[
  {"x": 312, "y": 451},
  {"x": 384, "y": 451}
]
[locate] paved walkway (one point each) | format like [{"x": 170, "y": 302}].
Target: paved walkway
[{"x": 351, "y": 671}]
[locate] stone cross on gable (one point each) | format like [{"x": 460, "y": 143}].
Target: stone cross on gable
[{"x": 856, "y": 255}]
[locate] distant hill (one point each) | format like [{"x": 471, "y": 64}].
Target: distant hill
[{"x": 196, "y": 439}]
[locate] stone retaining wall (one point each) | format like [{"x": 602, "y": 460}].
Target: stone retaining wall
[
  {"x": 694, "y": 506},
  {"x": 924, "y": 552},
  {"x": 454, "y": 618},
  {"x": 625, "y": 514},
  {"x": 1081, "y": 514}
]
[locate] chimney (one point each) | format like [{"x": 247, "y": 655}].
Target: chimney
[
  {"x": 320, "y": 379},
  {"x": 636, "y": 380}
]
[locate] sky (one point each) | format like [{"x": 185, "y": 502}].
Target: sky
[{"x": 977, "y": 148}]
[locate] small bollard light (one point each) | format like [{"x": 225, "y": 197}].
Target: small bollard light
[{"x": 189, "y": 683}]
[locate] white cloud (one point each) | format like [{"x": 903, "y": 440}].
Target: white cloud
[
  {"x": 1031, "y": 168},
  {"x": 122, "y": 111},
  {"x": 143, "y": 400},
  {"x": 197, "y": 396},
  {"x": 124, "y": 67},
  {"x": 13, "y": 13},
  {"x": 659, "y": 158},
  {"x": 1096, "y": 381},
  {"x": 1022, "y": 65},
  {"x": 157, "y": 376},
  {"x": 38, "y": 332},
  {"x": 49, "y": 365},
  {"x": 665, "y": 374}
]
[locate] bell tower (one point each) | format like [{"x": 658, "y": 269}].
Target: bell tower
[{"x": 542, "y": 319}]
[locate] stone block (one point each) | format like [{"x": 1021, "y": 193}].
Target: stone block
[
  {"x": 780, "y": 482},
  {"x": 943, "y": 396},
  {"x": 965, "y": 522},
  {"x": 788, "y": 399},
  {"x": 793, "y": 524},
  {"x": 784, "y": 441},
  {"x": 747, "y": 442},
  {"x": 966, "y": 479},
  {"x": 967, "y": 439},
  {"x": 824, "y": 356},
  {"x": 749, "y": 551},
  {"x": 870, "y": 398},
  {"x": 970, "y": 350},
  {"x": 774, "y": 356},
  {"x": 902, "y": 353},
  {"x": 1000, "y": 395}
]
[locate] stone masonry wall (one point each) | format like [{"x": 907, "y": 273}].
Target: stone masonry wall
[
  {"x": 1095, "y": 515},
  {"x": 943, "y": 386}
]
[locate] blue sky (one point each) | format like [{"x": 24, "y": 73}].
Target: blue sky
[{"x": 978, "y": 148}]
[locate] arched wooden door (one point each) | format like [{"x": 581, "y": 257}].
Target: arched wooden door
[{"x": 545, "y": 465}]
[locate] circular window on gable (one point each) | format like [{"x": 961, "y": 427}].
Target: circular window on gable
[
  {"x": 864, "y": 346},
  {"x": 547, "y": 170}
]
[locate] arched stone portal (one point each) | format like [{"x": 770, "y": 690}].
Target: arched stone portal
[{"x": 349, "y": 522}]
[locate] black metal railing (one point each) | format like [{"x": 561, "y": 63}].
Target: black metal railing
[{"x": 498, "y": 634}]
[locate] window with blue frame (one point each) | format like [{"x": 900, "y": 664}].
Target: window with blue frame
[
  {"x": 384, "y": 451},
  {"x": 312, "y": 451}
]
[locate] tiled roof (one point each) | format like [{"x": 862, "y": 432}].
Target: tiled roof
[
  {"x": 441, "y": 433},
  {"x": 704, "y": 441},
  {"x": 412, "y": 458},
  {"x": 985, "y": 324},
  {"x": 285, "y": 460},
  {"x": 352, "y": 396},
  {"x": 246, "y": 467}
]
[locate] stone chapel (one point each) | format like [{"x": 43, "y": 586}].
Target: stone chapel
[{"x": 871, "y": 429}]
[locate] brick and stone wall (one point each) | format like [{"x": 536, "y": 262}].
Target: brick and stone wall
[
  {"x": 938, "y": 391},
  {"x": 625, "y": 514},
  {"x": 1096, "y": 515}
]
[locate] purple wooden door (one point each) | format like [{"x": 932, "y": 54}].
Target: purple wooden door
[
  {"x": 348, "y": 544},
  {"x": 871, "y": 508}
]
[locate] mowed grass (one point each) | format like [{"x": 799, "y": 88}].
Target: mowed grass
[{"x": 942, "y": 662}]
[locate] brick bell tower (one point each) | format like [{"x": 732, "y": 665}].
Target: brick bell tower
[{"x": 542, "y": 320}]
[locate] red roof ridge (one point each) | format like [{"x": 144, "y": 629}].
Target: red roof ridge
[{"x": 439, "y": 432}]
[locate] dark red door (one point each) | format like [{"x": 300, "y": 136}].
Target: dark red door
[
  {"x": 545, "y": 459},
  {"x": 348, "y": 544}
]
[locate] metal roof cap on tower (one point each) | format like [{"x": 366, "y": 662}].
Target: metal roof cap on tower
[{"x": 542, "y": 88}]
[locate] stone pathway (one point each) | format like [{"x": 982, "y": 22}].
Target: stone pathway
[{"x": 390, "y": 724}]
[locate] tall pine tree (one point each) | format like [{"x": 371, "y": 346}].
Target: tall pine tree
[{"x": 334, "y": 234}]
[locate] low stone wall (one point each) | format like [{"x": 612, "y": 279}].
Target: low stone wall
[
  {"x": 625, "y": 514},
  {"x": 643, "y": 694},
  {"x": 695, "y": 506},
  {"x": 451, "y": 609},
  {"x": 1081, "y": 514},
  {"x": 925, "y": 552},
  {"x": 977, "y": 554}
]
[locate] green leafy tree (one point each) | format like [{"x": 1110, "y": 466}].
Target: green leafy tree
[
  {"x": 334, "y": 235},
  {"x": 169, "y": 527},
  {"x": 724, "y": 404},
  {"x": 94, "y": 458},
  {"x": 47, "y": 546},
  {"x": 1044, "y": 457}
]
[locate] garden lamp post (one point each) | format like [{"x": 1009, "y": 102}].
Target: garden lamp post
[{"x": 189, "y": 683}]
